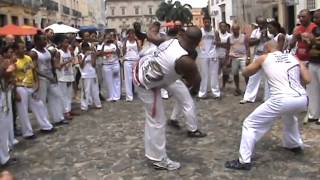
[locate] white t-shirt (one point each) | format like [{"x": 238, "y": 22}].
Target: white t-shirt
[
  {"x": 65, "y": 74},
  {"x": 111, "y": 51},
  {"x": 206, "y": 46},
  {"x": 283, "y": 74},
  {"x": 88, "y": 71}
]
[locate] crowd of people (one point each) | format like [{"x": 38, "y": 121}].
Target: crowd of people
[{"x": 45, "y": 78}]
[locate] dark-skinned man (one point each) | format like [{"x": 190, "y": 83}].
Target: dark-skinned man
[{"x": 167, "y": 64}]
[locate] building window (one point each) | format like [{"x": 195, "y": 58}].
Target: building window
[
  {"x": 26, "y": 21},
  {"x": 123, "y": 10},
  {"x": 15, "y": 20},
  {"x": 3, "y": 20},
  {"x": 212, "y": 2},
  {"x": 223, "y": 12},
  {"x": 217, "y": 1},
  {"x": 150, "y": 9},
  {"x": 311, "y": 4},
  {"x": 136, "y": 10},
  {"x": 112, "y": 11}
]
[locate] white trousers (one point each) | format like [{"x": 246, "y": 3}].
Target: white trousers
[
  {"x": 67, "y": 91},
  {"x": 4, "y": 137},
  {"x": 253, "y": 86},
  {"x": 209, "y": 71},
  {"x": 6, "y": 127},
  {"x": 183, "y": 104},
  {"x": 261, "y": 119},
  {"x": 50, "y": 94},
  {"x": 90, "y": 90},
  {"x": 128, "y": 68},
  {"x": 38, "y": 109},
  {"x": 313, "y": 90},
  {"x": 100, "y": 76},
  {"x": 111, "y": 76},
  {"x": 155, "y": 123}
]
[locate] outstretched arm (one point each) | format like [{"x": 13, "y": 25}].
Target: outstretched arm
[{"x": 187, "y": 68}]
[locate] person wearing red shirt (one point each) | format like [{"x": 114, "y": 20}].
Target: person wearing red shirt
[{"x": 302, "y": 35}]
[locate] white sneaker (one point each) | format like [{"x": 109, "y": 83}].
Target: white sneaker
[{"x": 166, "y": 164}]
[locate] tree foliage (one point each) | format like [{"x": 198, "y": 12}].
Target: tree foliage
[{"x": 169, "y": 11}]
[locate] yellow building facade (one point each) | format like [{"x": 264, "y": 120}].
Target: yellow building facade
[{"x": 40, "y": 13}]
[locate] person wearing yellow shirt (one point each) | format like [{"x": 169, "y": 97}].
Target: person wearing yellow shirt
[{"x": 27, "y": 87}]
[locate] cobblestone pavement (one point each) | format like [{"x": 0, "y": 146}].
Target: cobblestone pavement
[{"x": 108, "y": 144}]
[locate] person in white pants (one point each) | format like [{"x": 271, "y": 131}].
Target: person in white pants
[
  {"x": 98, "y": 67},
  {"x": 7, "y": 139},
  {"x": 111, "y": 69},
  {"x": 131, "y": 50},
  {"x": 90, "y": 84},
  {"x": 26, "y": 82},
  {"x": 288, "y": 98},
  {"x": 4, "y": 129},
  {"x": 258, "y": 38},
  {"x": 153, "y": 72},
  {"x": 313, "y": 88},
  {"x": 209, "y": 65},
  {"x": 7, "y": 65},
  {"x": 49, "y": 91},
  {"x": 65, "y": 75}
]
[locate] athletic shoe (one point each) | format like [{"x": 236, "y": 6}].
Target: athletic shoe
[
  {"x": 174, "y": 123},
  {"x": 166, "y": 164},
  {"x": 235, "y": 164},
  {"x": 196, "y": 134},
  {"x": 312, "y": 120}
]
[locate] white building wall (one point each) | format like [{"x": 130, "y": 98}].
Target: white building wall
[{"x": 119, "y": 21}]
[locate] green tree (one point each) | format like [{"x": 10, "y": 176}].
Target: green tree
[{"x": 169, "y": 11}]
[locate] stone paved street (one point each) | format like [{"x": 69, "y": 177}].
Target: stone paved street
[{"x": 108, "y": 144}]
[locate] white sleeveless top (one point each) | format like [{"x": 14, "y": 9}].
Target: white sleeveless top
[
  {"x": 158, "y": 69},
  {"x": 283, "y": 74},
  {"x": 44, "y": 63},
  {"x": 237, "y": 46},
  {"x": 111, "y": 56},
  {"x": 88, "y": 71},
  {"x": 132, "y": 51},
  {"x": 65, "y": 74},
  {"x": 221, "y": 52},
  {"x": 206, "y": 46}
]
